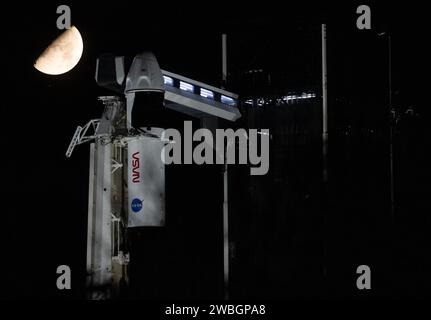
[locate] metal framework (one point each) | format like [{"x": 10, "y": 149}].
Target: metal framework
[{"x": 80, "y": 136}]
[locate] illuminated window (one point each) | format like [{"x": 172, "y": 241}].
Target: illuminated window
[
  {"x": 227, "y": 100},
  {"x": 168, "y": 81},
  {"x": 207, "y": 94},
  {"x": 186, "y": 86}
]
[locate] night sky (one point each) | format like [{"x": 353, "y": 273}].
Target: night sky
[{"x": 44, "y": 194}]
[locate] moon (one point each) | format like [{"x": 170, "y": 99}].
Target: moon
[{"x": 63, "y": 54}]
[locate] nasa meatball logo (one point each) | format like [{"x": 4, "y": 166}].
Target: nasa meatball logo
[{"x": 136, "y": 205}]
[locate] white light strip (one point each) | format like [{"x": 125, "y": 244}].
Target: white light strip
[
  {"x": 296, "y": 97},
  {"x": 207, "y": 94},
  {"x": 227, "y": 100},
  {"x": 168, "y": 80},
  {"x": 186, "y": 86}
]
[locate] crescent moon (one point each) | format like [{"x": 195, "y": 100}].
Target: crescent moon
[{"x": 63, "y": 54}]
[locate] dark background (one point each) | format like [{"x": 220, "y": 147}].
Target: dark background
[{"x": 292, "y": 237}]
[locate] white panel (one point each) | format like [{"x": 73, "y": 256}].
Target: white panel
[
  {"x": 99, "y": 263},
  {"x": 146, "y": 182},
  {"x": 90, "y": 233},
  {"x": 104, "y": 208}
]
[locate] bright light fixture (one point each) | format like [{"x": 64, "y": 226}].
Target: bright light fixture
[{"x": 186, "y": 86}]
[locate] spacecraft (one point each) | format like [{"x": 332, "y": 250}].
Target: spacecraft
[{"x": 124, "y": 144}]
